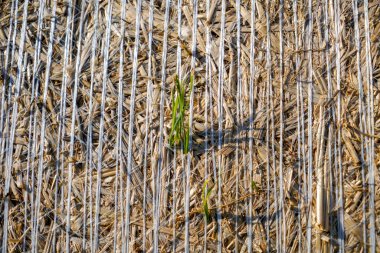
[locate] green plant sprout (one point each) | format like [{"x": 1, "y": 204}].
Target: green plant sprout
[
  {"x": 205, "y": 197},
  {"x": 254, "y": 186},
  {"x": 180, "y": 132}
]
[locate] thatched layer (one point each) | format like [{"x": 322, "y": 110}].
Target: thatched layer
[{"x": 68, "y": 182}]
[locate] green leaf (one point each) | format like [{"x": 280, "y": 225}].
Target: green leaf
[
  {"x": 179, "y": 132},
  {"x": 205, "y": 197},
  {"x": 254, "y": 186},
  {"x": 186, "y": 142}
]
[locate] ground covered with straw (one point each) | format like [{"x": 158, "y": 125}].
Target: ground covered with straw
[{"x": 189, "y": 126}]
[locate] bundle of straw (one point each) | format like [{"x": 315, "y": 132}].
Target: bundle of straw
[{"x": 189, "y": 126}]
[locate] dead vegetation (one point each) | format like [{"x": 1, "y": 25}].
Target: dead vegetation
[{"x": 86, "y": 114}]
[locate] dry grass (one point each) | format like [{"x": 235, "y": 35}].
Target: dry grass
[{"x": 67, "y": 148}]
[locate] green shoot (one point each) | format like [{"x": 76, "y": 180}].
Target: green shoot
[
  {"x": 180, "y": 132},
  {"x": 205, "y": 197},
  {"x": 254, "y": 186}
]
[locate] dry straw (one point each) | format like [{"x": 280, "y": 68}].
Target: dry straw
[{"x": 283, "y": 146}]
